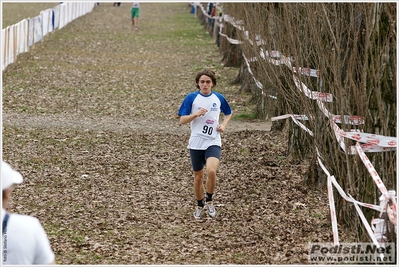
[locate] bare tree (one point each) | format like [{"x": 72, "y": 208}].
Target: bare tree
[{"x": 352, "y": 49}]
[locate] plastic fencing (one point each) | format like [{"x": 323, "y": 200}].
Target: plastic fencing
[{"x": 17, "y": 38}]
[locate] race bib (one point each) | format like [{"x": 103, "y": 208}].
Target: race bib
[{"x": 208, "y": 130}]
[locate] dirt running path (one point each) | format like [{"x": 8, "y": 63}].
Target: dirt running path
[{"x": 122, "y": 125}]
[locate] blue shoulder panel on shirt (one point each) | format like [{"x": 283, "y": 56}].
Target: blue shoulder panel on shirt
[
  {"x": 225, "y": 107},
  {"x": 185, "y": 108}
]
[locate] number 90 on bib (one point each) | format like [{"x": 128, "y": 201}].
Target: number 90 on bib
[{"x": 208, "y": 131}]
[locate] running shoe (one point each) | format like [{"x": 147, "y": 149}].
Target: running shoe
[
  {"x": 198, "y": 212},
  {"x": 211, "y": 209}
]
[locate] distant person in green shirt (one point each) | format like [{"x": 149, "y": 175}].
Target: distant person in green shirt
[{"x": 135, "y": 13}]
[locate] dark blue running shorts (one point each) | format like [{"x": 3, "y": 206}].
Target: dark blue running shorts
[{"x": 199, "y": 157}]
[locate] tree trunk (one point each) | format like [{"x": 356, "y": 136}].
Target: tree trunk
[{"x": 351, "y": 48}]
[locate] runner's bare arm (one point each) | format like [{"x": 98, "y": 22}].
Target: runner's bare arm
[
  {"x": 222, "y": 127},
  {"x": 189, "y": 118}
]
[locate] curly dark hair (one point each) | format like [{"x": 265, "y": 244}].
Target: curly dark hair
[{"x": 209, "y": 73}]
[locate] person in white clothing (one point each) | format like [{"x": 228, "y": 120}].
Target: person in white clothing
[
  {"x": 202, "y": 110},
  {"x": 24, "y": 241}
]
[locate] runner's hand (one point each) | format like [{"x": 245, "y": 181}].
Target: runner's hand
[
  {"x": 221, "y": 128},
  {"x": 201, "y": 112}
]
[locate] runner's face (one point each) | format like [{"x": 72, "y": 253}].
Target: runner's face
[{"x": 205, "y": 83}]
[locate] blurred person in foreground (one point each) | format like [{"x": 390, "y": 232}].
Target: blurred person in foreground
[
  {"x": 202, "y": 110},
  {"x": 24, "y": 241}
]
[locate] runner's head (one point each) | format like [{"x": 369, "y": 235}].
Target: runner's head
[{"x": 208, "y": 73}]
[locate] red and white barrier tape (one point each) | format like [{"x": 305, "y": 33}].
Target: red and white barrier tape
[
  {"x": 332, "y": 211},
  {"x": 294, "y": 118},
  {"x": 331, "y": 181},
  {"x": 325, "y": 97},
  {"x": 386, "y": 196},
  {"x": 378, "y": 226},
  {"x": 231, "y": 40},
  {"x": 391, "y": 209},
  {"x": 371, "y": 139},
  {"x": 373, "y": 143},
  {"x": 368, "y": 228},
  {"x": 372, "y": 171}
]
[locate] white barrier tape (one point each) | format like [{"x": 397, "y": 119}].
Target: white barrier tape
[
  {"x": 272, "y": 53},
  {"x": 258, "y": 41},
  {"x": 246, "y": 62},
  {"x": 365, "y": 223},
  {"x": 231, "y": 40},
  {"x": 295, "y": 120},
  {"x": 379, "y": 230},
  {"x": 383, "y": 200},
  {"x": 343, "y": 194},
  {"x": 391, "y": 212},
  {"x": 237, "y": 24},
  {"x": 307, "y": 71},
  {"x": 302, "y": 117},
  {"x": 337, "y": 132},
  {"x": 252, "y": 59},
  {"x": 391, "y": 209},
  {"x": 283, "y": 61},
  {"x": 232, "y": 21},
  {"x": 331, "y": 180},
  {"x": 369, "y": 146},
  {"x": 340, "y": 190},
  {"x": 353, "y": 120},
  {"x": 332, "y": 212},
  {"x": 386, "y": 196},
  {"x": 372, "y": 171},
  {"x": 323, "y": 109},
  {"x": 258, "y": 83},
  {"x": 298, "y": 117},
  {"x": 325, "y": 97},
  {"x": 371, "y": 139},
  {"x": 316, "y": 95},
  {"x": 375, "y": 148},
  {"x": 271, "y": 60},
  {"x": 340, "y": 139},
  {"x": 276, "y": 62}
]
